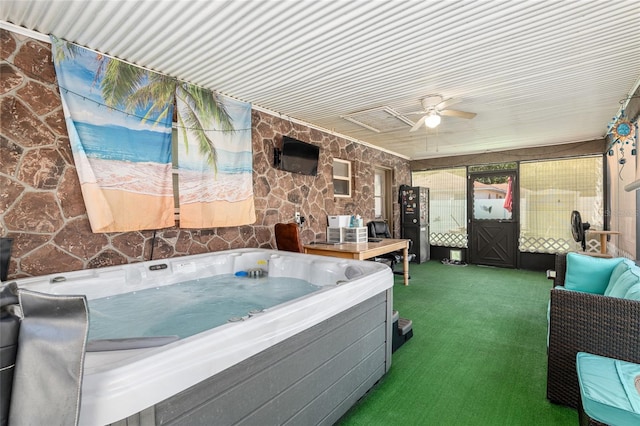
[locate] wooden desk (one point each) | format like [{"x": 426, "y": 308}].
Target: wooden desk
[{"x": 362, "y": 251}]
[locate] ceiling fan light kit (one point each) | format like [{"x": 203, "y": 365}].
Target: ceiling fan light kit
[
  {"x": 433, "y": 120},
  {"x": 433, "y": 108}
]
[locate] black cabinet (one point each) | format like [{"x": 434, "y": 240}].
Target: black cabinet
[{"x": 414, "y": 220}]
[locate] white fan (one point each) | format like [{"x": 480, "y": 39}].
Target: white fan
[{"x": 433, "y": 107}]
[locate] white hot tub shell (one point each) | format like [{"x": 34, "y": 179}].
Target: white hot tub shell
[{"x": 277, "y": 367}]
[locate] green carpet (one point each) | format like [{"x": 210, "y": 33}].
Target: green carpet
[{"x": 478, "y": 354}]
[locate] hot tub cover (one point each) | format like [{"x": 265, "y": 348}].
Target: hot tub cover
[{"x": 49, "y": 363}]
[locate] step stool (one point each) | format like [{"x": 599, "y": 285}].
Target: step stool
[{"x": 403, "y": 331}]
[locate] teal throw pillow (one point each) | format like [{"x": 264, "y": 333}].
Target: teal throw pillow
[
  {"x": 627, "y": 280},
  {"x": 588, "y": 273},
  {"x": 620, "y": 269}
]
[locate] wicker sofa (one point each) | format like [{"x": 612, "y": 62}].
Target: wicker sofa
[{"x": 586, "y": 322}]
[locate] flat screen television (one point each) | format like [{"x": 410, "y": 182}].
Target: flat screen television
[{"x": 298, "y": 157}]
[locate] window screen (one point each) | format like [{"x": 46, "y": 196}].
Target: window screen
[
  {"x": 447, "y": 205},
  {"x": 549, "y": 192}
]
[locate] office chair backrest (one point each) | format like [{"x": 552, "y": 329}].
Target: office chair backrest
[
  {"x": 288, "y": 237},
  {"x": 378, "y": 229}
]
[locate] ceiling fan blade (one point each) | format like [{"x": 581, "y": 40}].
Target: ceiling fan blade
[
  {"x": 414, "y": 112},
  {"x": 459, "y": 114},
  {"x": 447, "y": 103},
  {"x": 418, "y": 124}
]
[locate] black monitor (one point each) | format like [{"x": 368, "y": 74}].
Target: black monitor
[{"x": 297, "y": 157}]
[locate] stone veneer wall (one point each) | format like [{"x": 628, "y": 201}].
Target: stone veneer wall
[{"x": 42, "y": 209}]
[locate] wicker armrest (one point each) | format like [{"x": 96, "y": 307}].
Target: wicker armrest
[
  {"x": 560, "y": 269},
  {"x": 592, "y": 323}
]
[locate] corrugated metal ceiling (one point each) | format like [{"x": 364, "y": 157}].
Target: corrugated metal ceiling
[{"x": 535, "y": 72}]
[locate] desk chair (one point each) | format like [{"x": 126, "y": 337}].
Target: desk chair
[
  {"x": 288, "y": 237},
  {"x": 380, "y": 229}
]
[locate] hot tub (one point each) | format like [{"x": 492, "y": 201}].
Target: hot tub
[{"x": 304, "y": 361}]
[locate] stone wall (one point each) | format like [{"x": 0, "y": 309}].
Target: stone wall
[{"x": 41, "y": 206}]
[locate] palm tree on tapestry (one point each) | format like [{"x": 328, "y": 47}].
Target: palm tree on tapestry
[
  {"x": 65, "y": 50},
  {"x": 127, "y": 86},
  {"x": 202, "y": 106},
  {"x": 130, "y": 87}
]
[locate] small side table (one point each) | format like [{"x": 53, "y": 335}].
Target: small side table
[{"x": 603, "y": 240}]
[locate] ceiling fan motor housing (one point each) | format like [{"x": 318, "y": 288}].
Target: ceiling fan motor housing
[{"x": 431, "y": 101}]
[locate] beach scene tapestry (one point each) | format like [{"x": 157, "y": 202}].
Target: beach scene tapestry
[
  {"x": 215, "y": 159},
  {"x": 119, "y": 122}
]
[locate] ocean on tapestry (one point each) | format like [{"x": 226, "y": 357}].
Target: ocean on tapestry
[
  {"x": 119, "y": 121},
  {"x": 215, "y": 159}
]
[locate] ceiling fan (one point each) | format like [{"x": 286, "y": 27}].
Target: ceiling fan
[{"x": 433, "y": 107}]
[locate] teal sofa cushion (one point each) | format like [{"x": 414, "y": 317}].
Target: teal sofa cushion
[
  {"x": 633, "y": 293},
  {"x": 621, "y": 286},
  {"x": 589, "y": 274},
  {"x": 607, "y": 389},
  {"x": 620, "y": 269}
]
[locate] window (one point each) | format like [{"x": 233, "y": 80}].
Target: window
[
  {"x": 341, "y": 178},
  {"x": 549, "y": 192},
  {"x": 447, "y": 205},
  {"x": 379, "y": 187}
]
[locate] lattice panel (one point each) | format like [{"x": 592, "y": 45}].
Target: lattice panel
[
  {"x": 530, "y": 244},
  {"x": 448, "y": 240},
  {"x": 551, "y": 245},
  {"x": 593, "y": 245}
]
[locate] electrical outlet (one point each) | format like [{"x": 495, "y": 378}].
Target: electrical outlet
[{"x": 297, "y": 217}]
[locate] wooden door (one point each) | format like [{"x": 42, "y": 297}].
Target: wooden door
[{"x": 493, "y": 219}]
